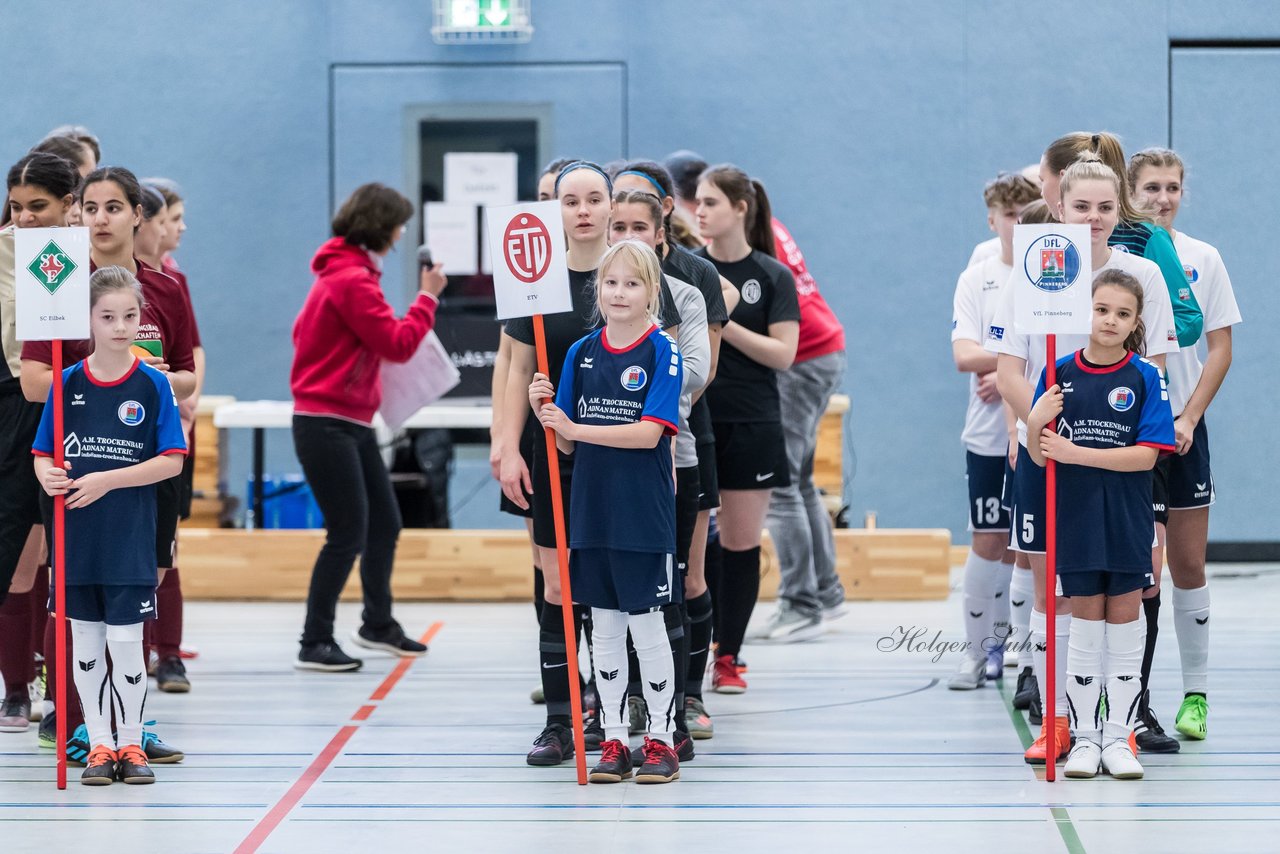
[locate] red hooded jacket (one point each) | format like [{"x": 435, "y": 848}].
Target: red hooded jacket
[{"x": 345, "y": 330}]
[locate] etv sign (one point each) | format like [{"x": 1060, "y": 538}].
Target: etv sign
[{"x": 529, "y": 271}]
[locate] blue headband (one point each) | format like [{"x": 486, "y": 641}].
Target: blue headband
[
  {"x": 582, "y": 164},
  {"x": 662, "y": 194}
]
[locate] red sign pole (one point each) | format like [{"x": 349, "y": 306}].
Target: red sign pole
[
  {"x": 1050, "y": 576},
  {"x": 562, "y": 558},
  {"x": 59, "y": 573}
]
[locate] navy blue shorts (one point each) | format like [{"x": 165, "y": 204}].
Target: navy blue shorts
[
  {"x": 618, "y": 580},
  {"x": 113, "y": 604},
  {"x": 1096, "y": 583},
  {"x": 986, "y": 489},
  {"x": 1006, "y": 493},
  {"x": 1027, "y": 512},
  {"x": 1187, "y": 479}
]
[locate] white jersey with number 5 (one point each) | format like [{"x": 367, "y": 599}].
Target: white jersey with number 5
[
  {"x": 977, "y": 293},
  {"x": 1208, "y": 279},
  {"x": 1157, "y": 316}
]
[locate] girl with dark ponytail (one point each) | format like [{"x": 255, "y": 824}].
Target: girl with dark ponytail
[{"x": 759, "y": 341}]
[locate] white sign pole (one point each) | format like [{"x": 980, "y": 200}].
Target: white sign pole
[
  {"x": 1054, "y": 280},
  {"x": 51, "y": 292}
]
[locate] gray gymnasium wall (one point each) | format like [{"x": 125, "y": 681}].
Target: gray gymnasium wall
[{"x": 873, "y": 124}]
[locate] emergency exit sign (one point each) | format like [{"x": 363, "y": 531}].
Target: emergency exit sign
[{"x": 480, "y": 21}]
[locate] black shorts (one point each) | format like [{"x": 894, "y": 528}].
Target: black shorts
[
  {"x": 544, "y": 522},
  {"x": 1187, "y": 478},
  {"x": 168, "y": 504},
  {"x": 687, "y": 494},
  {"x": 113, "y": 604},
  {"x": 708, "y": 483},
  {"x": 751, "y": 455},
  {"x": 986, "y": 490},
  {"x": 19, "y": 489},
  {"x": 1027, "y": 515},
  {"x": 1103, "y": 583},
  {"x": 618, "y": 580},
  {"x": 530, "y": 435},
  {"x": 187, "y": 486}
]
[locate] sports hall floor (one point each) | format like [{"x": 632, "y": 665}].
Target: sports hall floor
[{"x": 837, "y": 746}]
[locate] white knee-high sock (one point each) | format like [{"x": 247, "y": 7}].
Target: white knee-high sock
[
  {"x": 128, "y": 681},
  {"x": 93, "y": 680},
  {"x": 609, "y": 639},
  {"x": 1022, "y": 590},
  {"x": 1084, "y": 678},
  {"x": 980, "y": 576},
  {"x": 657, "y": 672},
  {"x": 1062, "y": 643},
  {"x": 1124, "y": 678},
  {"x": 1037, "y": 624},
  {"x": 1000, "y": 610},
  {"x": 1191, "y": 624}
]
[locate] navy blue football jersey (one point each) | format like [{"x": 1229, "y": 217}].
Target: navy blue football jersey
[
  {"x": 1105, "y": 520},
  {"x": 623, "y": 498},
  {"x": 111, "y": 426}
]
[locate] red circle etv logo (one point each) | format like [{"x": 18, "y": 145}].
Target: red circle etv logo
[{"x": 526, "y": 247}]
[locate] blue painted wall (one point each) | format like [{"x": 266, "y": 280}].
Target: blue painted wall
[{"x": 873, "y": 124}]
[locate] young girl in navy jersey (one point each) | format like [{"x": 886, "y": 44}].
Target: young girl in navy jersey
[
  {"x": 759, "y": 340},
  {"x": 1114, "y": 422},
  {"x": 615, "y": 408},
  {"x": 1090, "y": 195},
  {"x": 123, "y": 435},
  {"x": 1184, "y": 481}
]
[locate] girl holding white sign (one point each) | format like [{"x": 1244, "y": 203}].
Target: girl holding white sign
[
  {"x": 1185, "y": 480},
  {"x": 617, "y": 407},
  {"x": 1090, "y": 195}
]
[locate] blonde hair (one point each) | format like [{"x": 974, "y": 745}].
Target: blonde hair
[
  {"x": 1090, "y": 168},
  {"x": 1159, "y": 158},
  {"x": 644, "y": 261},
  {"x": 1036, "y": 212},
  {"x": 107, "y": 280},
  {"x": 1106, "y": 148},
  {"x": 1137, "y": 340}
]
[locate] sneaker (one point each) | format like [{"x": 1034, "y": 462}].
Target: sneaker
[
  {"x": 834, "y": 611},
  {"x": 1193, "y": 717},
  {"x": 132, "y": 767},
  {"x": 1035, "y": 714},
  {"x": 995, "y": 663},
  {"x": 47, "y": 737},
  {"x": 552, "y": 746},
  {"x": 1028, "y": 689},
  {"x": 661, "y": 765},
  {"x": 614, "y": 765},
  {"x": 592, "y": 732},
  {"x": 1149, "y": 736},
  {"x": 392, "y": 640},
  {"x": 972, "y": 674},
  {"x": 78, "y": 746},
  {"x": 739, "y": 664},
  {"x": 159, "y": 753},
  {"x": 1036, "y": 752},
  {"x": 537, "y": 697},
  {"x": 35, "y": 691},
  {"x": 171, "y": 676},
  {"x": 1118, "y": 761},
  {"x": 790, "y": 625},
  {"x": 1084, "y": 761},
  {"x": 101, "y": 767},
  {"x": 697, "y": 719},
  {"x": 637, "y": 715},
  {"x": 725, "y": 678},
  {"x": 15, "y": 712},
  {"x": 327, "y": 657},
  {"x": 683, "y": 744}
]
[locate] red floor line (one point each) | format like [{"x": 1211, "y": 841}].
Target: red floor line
[{"x": 321, "y": 763}]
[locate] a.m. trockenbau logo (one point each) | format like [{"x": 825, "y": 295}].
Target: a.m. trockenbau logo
[{"x": 51, "y": 267}]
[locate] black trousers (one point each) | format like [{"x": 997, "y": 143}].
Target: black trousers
[
  {"x": 351, "y": 484},
  {"x": 19, "y": 489}
]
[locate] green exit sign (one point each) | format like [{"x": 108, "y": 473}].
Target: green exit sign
[{"x": 480, "y": 21}]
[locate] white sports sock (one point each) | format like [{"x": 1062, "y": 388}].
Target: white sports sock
[
  {"x": 1037, "y": 623},
  {"x": 1084, "y": 678},
  {"x": 92, "y": 680},
  {"x": 128, "y": 681},
  {"x": 1125, "y": 642},
  {"x": 1022, "y": 591},
  {"x": 1000, "y": 610},
  {"x": 609, "y": 639},
  {"x": 1062, "y": 641},
  {"x": 979, "y": 604},
  {"x": 1191, "y": 624},
  {"x": 657, "y": 672}
]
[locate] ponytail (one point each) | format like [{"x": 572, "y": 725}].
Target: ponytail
[
  {"x": 1065, "y": 150},
  {"x": 738, "y": 186},
  {"x": 760, "y": 231}
]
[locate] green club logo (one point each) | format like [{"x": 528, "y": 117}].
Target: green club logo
[{"x": 51, "y": 267}]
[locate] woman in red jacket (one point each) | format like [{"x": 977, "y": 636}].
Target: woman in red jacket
[{"x": 343, "y": 333}]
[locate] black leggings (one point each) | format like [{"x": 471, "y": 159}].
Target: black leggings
[
  {"x": 19, "y": 489},
  {"x": 346, "y": 473}
]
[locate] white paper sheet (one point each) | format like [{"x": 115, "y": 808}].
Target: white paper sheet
[{"x": 419, "y": 382}]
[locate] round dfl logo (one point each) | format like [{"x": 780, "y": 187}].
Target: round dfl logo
[{"x": 1052, "y": 263}]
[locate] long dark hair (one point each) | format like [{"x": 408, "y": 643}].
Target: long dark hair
[
  {"x": 738, "y": 186},
  {"x": 1137, "y": 340},
  {"x": 56, "y": 176}
]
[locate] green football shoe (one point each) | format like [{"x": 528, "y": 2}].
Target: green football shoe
[{"x": 1193, "y": 717}]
